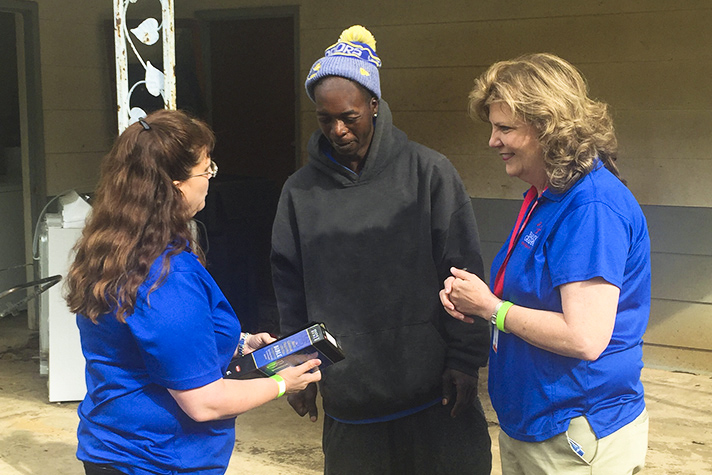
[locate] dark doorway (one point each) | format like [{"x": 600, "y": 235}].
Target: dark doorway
[
  {"x": 251, "y": 68},
  {"x": 12, "y": 236},
  {"x": 22, "y": 167},
  {"x": 253, "y": 95}
]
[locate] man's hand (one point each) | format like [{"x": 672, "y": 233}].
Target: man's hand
[
  {"x": 304, "y": 402},
  {"x": 465, "y": 385},
  {"x": 257, "y": 341}
]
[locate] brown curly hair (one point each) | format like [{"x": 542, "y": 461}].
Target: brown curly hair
[
  {"x": 137, "y": 213},
  {"x": 550, "y": 94}
]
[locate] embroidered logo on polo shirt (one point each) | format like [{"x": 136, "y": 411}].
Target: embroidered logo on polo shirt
[{"x": 530, "y": 238}]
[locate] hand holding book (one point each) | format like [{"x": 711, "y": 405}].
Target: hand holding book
[
  {"x": 302, "y": 345},
  {"x": 249, "y": 342}
]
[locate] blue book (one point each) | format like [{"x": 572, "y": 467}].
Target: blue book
[{"x": 314, "y": 341}]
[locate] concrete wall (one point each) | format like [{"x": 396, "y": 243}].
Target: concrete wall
[{"x": 650, "y": 60}]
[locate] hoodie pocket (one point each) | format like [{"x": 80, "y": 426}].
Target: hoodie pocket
[{"x": 385, "y": 372}]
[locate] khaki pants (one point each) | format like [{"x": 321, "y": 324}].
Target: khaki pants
[{"x": 577, "y": 451}]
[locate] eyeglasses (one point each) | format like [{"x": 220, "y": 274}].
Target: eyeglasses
[{"x": 209, "y": 174}]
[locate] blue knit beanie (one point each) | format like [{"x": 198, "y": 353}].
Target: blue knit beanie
[{"x": 352, "y": 57}]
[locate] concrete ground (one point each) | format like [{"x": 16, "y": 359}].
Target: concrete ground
[{"x": 38, "y": 437}]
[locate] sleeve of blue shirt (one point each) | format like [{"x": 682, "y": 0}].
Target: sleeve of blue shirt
[
  {"x": 175, "y": 332},
  {"x": 590, "y": 241}
]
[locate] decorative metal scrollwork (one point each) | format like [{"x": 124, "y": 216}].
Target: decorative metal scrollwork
[{"x": 157, "y": 82}]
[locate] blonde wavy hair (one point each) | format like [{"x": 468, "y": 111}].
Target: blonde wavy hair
[
  {"x": 550, "y": 94},
  {"x": 137, "y": 213}
]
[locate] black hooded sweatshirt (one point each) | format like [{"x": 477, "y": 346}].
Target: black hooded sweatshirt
[{"x": 367, "y": 255}]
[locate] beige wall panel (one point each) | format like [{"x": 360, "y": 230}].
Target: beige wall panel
[
  {"x": 653, "y": 182},
  {"x": 448, "y": 132},
  {"x": 78, "y": 88},
  {"x": 682, "y": 277},
  {"x": 665, "y": 134},
  {"x": 647, "y": 65},
  {"x": 663, "y": 153},
  {"x": 669, "y": 179},
  {"x": 429, "y": 89},
  {"x": 484, "y": 177},
  {"x": 595, "y": 39},
  {"x": 649, "y": 59},
  {"x": 664, "y": 85},
  {"x": 312, "y": 44},
  {"x": 653, "y": 134},
  {"x": 679, "y": 324},
  {"x": 656, "y": 85},
  {"x": 82, "y": 131},
  {"x": 78, "y": 171},
  {"x": 68, "y": 43},
  {"x": 637, "y": 55},
  {"x": 676, "y": 182},
  {"x": 453, "y": 11}
]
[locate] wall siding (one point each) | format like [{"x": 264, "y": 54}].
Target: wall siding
[
  {"x": 678, "y": 334},
  {"x": 643, "y": 58},
  {"x": 650, "y": 60}
]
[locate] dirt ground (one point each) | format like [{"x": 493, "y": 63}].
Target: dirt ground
[{"x": 38, "y": 437}]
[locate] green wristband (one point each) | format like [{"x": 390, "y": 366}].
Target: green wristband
[
  {"x": 280, "y": 382},
  {"x": 502, "y": 314}
]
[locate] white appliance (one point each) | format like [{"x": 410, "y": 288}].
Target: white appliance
[{"x": 60, "y": 348}]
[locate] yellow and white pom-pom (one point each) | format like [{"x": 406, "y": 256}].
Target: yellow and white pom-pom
[{"x": 359, "y": 34}]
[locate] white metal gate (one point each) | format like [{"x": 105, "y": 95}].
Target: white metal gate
[{"x": 157, "y": 82}]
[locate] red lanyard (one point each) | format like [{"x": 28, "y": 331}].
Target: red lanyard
[{"x": 525, "y": 212}]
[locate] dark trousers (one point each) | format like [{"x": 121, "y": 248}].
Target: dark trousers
[
  {"x": 429, "y": 442},
  {"x": 96, "y": 469}
]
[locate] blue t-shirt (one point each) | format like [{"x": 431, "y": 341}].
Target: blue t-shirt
[
  {"x": 595, "y": 229},
  {"x": 181, "y": 337}
]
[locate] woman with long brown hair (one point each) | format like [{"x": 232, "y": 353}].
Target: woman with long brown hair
[{"x": 156, "y": 331}]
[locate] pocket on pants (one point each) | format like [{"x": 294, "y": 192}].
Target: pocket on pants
[{"x": 582, "y": 441}]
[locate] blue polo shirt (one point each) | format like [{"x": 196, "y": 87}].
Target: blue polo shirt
[
  {"x": 181, "y": 336},
  {"x": 595, "y": 229}
]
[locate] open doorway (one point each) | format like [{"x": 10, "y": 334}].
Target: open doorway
[
  {"x": 22, "y": 190},
  {"x": 253, "y": 97},
  {"x": 12, "y": 241},
  {"x": 250, "y": 63}
]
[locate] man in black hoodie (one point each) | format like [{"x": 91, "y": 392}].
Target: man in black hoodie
[{"x": 364, "y": 236}]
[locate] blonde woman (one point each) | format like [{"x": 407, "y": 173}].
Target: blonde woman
[{"x": 569, "y": 294}]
